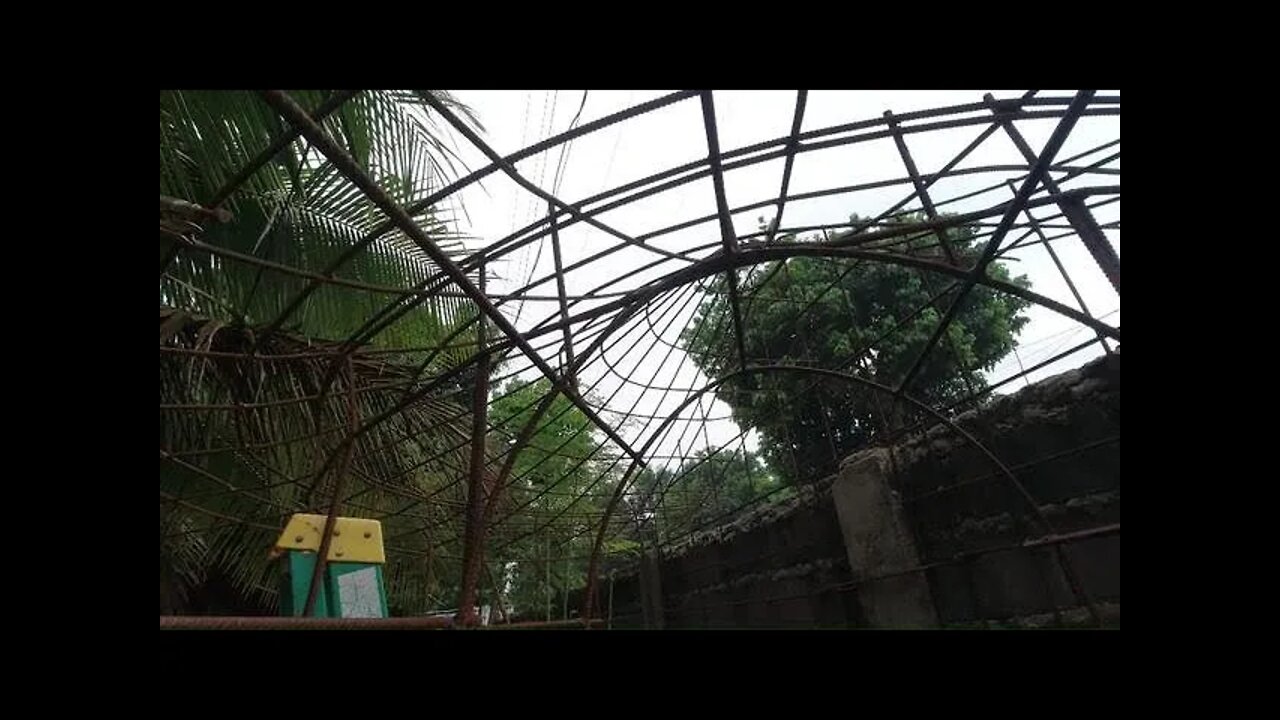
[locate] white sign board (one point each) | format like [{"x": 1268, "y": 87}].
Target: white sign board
[{"x": 358, "y": 595}]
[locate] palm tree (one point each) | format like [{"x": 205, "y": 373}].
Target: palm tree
[{"x": 254, "y": 386}]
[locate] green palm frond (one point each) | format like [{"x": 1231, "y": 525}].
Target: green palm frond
[
  {"x": 241, "y": 439},
  {"x": 298, "y": 210},
  {"x": 242, "y": 436}
]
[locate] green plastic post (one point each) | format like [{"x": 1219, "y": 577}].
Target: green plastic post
[
  {"x": 296, "y": 582},
  {"x": 350, "y": 590}
]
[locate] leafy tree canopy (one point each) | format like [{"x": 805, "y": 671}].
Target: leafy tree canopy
[{"x": 841, "y": 313}]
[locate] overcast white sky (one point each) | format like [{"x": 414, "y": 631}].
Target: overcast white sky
[{"x": 674, "y": 135}]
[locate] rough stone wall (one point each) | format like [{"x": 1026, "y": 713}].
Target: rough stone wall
[
  {"x": 788, "y": 564},
  {"x": 781, "y": 566},
  {"x": 1061, "y": 439}
]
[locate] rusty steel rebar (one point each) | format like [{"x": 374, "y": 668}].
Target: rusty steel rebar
[
  {"x": 1079, "y": 217},
  {"x": 290, "y": 110},
  {"x": 204, "y": 622},
  {"x": 728, "y": 238},
  {"x": 474, "y": 532},
  {"x": 1039, "y": 172},
  {"x": 696, "y": 170},
  {"x": 612, "y": 316},
  {"x": 301, "y": 623},
  {"x": 339, "y": 482}
]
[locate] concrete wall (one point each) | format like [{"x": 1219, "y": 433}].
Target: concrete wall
[
  {"x": 1061, "y": 439},
  {"x": 926, "y": 533},
  {"x": 783, "y": 566}
]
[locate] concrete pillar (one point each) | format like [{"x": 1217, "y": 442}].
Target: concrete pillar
[
  {"x": 651, "y": 601},
  {"x": 879, "y": 542}
]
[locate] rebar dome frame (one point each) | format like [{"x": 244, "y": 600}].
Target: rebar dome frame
[{"x": 571, "y": 341}]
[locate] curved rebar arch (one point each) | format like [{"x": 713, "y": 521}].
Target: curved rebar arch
[
  {"x": 618, "y": 301},
  {"x": 896, "y": 396}
]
